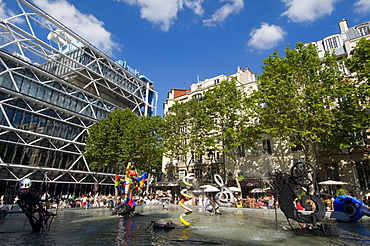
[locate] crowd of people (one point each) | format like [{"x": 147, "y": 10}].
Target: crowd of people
[
  {"x": 84, "y": 201},
  {"x": 100, "y": 200},
  {"x": 263, "y": 202}
]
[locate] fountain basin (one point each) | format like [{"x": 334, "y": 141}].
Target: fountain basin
[{"x": 236, "y": 226}]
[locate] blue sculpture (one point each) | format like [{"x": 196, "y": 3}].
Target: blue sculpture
[{"x": 349, "y": 209}]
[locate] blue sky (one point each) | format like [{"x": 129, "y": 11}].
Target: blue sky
[{"x": 173, "y": 42}]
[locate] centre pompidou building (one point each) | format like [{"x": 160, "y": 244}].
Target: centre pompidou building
[{"x": 54, "y": 85}]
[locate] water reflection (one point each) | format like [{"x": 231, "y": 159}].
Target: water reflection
[{"x": 235, "y": 226}]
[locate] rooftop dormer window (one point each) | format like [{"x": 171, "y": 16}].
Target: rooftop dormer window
[
  {"x": 331, "y": 43},
  {"x": 363, "y": 30}
]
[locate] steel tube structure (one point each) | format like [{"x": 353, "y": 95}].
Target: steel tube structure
[{"x": 54, "y": 85}]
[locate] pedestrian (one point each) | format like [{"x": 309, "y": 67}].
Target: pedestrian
[
  {"x": 16, "y": 200},
  {"x": 271, "y": 202},
  {"x": 200, "y": 201}
]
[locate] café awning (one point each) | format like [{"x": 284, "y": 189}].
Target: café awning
[
  {"x": 209, "y": 188},
  {"x": 234, "y": 189},
  {"x": 332, "y": 182},
  {"x": 167, "y": 184}
]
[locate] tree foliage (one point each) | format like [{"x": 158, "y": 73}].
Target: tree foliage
[
  {"x": 219, "y": 121},
  {"x": 359, "y": 93},
  {"x": 301, "y": 98},
  {"x": 228, "y": 105},
  {"x": 124, "y": 137},
  {"x": 359, "y": 62},
  {"x": 305, "y": 99},
  {"x": 187, "y": 130},
  {"x": 359, "y": 65}
]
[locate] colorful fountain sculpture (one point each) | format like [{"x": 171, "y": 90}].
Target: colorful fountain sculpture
[
  {"x": 127, "y": 185},
  {"x": 186, "y": 197},
  {"x": 349, "y": 209},
  {"x": 298, "y": 187},
  {"x": 225, "y": 197}
]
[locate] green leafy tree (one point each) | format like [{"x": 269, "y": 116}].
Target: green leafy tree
[
  {"x": 359, "y": 65},
  {"x": 124, "y": 137},
  {"x": 228, "y": 105},
  {"x": 187, "y": 129},
  {"x": 144, "y": 138},
  {"x": 299, "y": 99},
  {"x": 175, "y": 135},
  {"x": 220, "y": 121}
]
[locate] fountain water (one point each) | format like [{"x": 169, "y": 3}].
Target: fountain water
[{"x": 236, "y": 226}]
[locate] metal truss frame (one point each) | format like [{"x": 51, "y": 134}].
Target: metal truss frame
[
  {"x": 25, "y": 42},
  {"x": 22, "y": 40},
  {"x": 99, "y": 178}
]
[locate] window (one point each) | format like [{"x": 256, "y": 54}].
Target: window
[
  {"x": 331, "y": 43},
  {"x": 170, "y": 175},
  {"x": 241, "y": 151},
  {"x": 181, "y": 174},
  {"x": 332, "y": 171},
  {"x": 218, "y": 157},
  {"x": 266, "y": 146},
  {"x": 198, "y": 174},
  {"x": 211, "y": 174},
  {"x": 199, "y": 97},
  {"x": 363, "y": 170},
  {"x": 211, "y": 156},
  {"x": 192, "y": 157},
  {"x": 17, "y": 118},
  {"x": 363, "y": 30},
  {"x": 298, "y": 147}
]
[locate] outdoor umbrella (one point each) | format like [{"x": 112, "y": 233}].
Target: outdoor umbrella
[
  {"x": 235, "y": 189},
  {"x": 211, "y": 189},
  {"x": 257, "y": 190},
  {"x": 205, "y": 186},
  {"x": 332, "y": 182}
]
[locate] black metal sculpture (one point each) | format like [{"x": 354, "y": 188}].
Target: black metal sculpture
[
  {"x": 165, "y": 224},
  {"x": 123, "y": 209},
  {"x": 289, "y": 189},
  {"x": 34, "y": 208}
]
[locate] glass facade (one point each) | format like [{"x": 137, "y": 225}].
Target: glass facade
[
  {"x": 49, "y": 98},
  {"x": 43, "y": 124}
]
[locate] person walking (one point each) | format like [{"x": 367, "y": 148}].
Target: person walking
[{"x": 271, "y": 202}]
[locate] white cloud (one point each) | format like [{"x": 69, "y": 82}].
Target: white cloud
[
  {"x": 164, "y": 12},
  {"x": 6, "y": 13},
  {"x": 266, "y": 37},
  {"x": 3, "y": 11},
  {"x": 196, "y": 6},
  {"x": 87, "y": 26},
  {"x": 222, "y": 13},
  {"x": 362, "y": 6},
  {"x": 308, "y": 10}
]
